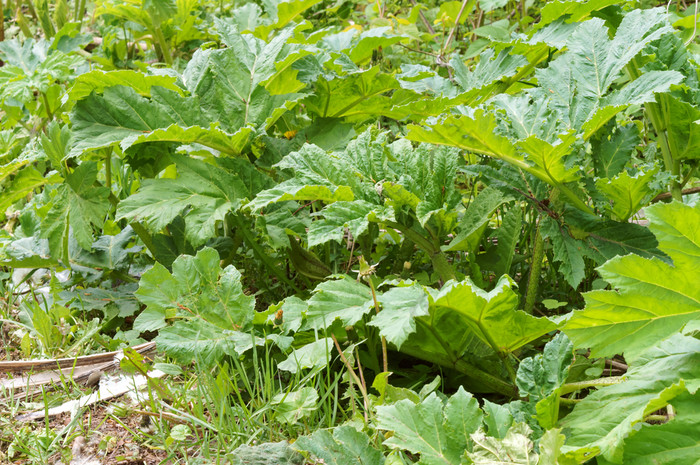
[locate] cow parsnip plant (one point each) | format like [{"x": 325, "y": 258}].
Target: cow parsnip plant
[{"x": 385, "y": 232}]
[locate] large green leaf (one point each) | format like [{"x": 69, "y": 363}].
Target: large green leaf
[
  {"x": 23, "y": 183},
  {"x": 290, "y": 407},
  {"x": 318, "y": 175},
  {"x": 230, "y": 82},
  {"x": 208, "y": 302},
  {"x": 493, "y": 316},
  {"x": 600, "y": 422},
  {"x": 683, "y": 128},
  {"x": 540, "y": 378},
  {"x": 653, "y": 299},
  {"x": 572, "y": 10},
  {"x": 611, "y": 155},
  {"x": 674, "y": 443},
  {"x": 314, "y": 355},
  {"x": 123, "y": 116},
  {"x": 438, "y": 432},
  {"x": 358, "y": 96},
  {"x": 355, "y": 216},
  {"x": 488, "y": 73},
  {"x": 344, "y": 446},
  {"x": 344, "y": 299},
  {"x": 477, "y": 215},
  {"x": 98, "y": 80},
  {"x": 267, "y": 453},
  {"x": 627, "y": 194},
  {"x": 76, "y": 208},
  {"x": 515, "y": 448},
  {"x": 207, "y": 192},
  {"x": 400, "y": 307},
  {"x": 287, "y": 11},
  {"x": 579, "y": 81}
]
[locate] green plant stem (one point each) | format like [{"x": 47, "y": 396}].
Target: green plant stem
[
  {"x": 108, "y": 169},
  {"x": 535, "y": 269},
  {"x": 503, "y": 355},
  {"x": 2, "y": 20},
  {"x": 385, "y": 358},
  {"x": 267, "y": 261},
  {"x": 30, "y": 7},
  {"x": 660, "y": 119},
  {"x": 353, "y": 375},
  {"x": 163, "y": 44},
  {"x": 465, "y": 4},
  {"x": 437, "y": 257},
  {"x": 145, "y": 237},
  {"x": 600, "y": 382},
  {"x": 49, "y": 114},
  {"x": 22, "y": 22}
]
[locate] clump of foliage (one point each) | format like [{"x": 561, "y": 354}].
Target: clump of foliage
[{"x": 388, "y": 232}]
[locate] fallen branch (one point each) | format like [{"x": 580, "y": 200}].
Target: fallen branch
[
  {"x": 668, "y": 195},
  {"x": 22, "y": 366}
]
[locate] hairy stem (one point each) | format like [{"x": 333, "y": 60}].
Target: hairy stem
[
  {"x": 600, "y": 382},
  {"x": 535, "y": 269}
]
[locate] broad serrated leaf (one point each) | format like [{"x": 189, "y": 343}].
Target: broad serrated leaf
[
  {"x": 400, "y": 307},
  {"x": 358, "y": 96},
  {"x": 344, "y": 446},
  {"x": 27, "y": 252},
  {"x": 98, "y": 80},
  {"x": 568, "y": 252},
  {"x": 23, "y": 183},
  {"x": 508, "y": 236},
  {"x": 540, "y": 377},
  {"x": 476, "y": 133},
  {"x": 676, "y": 227},
  {"x": 579, "y": 81},
  {"x": 683, "y": 128},
  {"x": 369, "y": 41},
  {"x": 123, "y": 116},
  {"x": 627, "y": 194},
  {"x": 355, "y": 216},
  {"x": 208, "y": 301},
  {"x": 287, "y": 11},
  {"x": 344, "y": 299},
  {"x": 108, "y": 252},
  {"x": 76, "y": 208},
  {"x": 290, "y": 407},
  {"x": 611, "y": 155},
  {"x": 229, "y": 82},
  {"x": 551, "y": 158},
  {"x": 313, "y": 355},
  {"x": 477, "y": 215},
  {"x": 208, "y": 193},
  {"x": 488, "y": 72},
  {"x": 267, "y": 453},
  {"x": 318, "y": 175},
  {"x": 515, "y": 448},
  {"x": 438, "y": 432},
  {"x": 544, "y": 373},
  {"x": 200, "y": 341},
  {"x": 493, "y": 316},
  {"x": 653, "y": 299},
  {"x": 571, "y": 10},
  {"x": 297, "y": 190}
]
